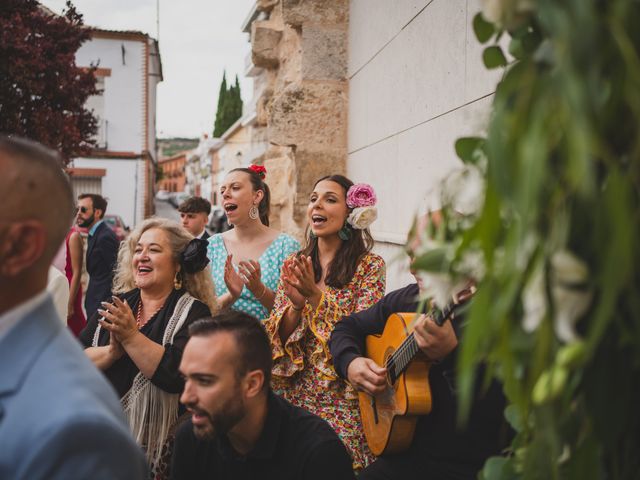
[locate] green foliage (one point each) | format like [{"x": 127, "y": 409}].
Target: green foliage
[
  {"x": 484, "y": 30},
  {"x": 229, "y": 106},
  {"x": 42, "y": 90},
  {"x": 493, "y": 57},
  {"x": 557, "y": 313}
]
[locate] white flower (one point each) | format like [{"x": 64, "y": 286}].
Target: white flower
[
  {"x": 504, "y": 12},
  {"x": 361, "y": 217},
  {"x": 472, "y": 264},
  {"x": 440, "y": 287},
  {"x": 568, "y": 269},
  {"x": 492, "y": 10},
  {"x": 569, "y": 291},
  {"x": 534, "y": 301},
  {"x": 463, "y": 189}
]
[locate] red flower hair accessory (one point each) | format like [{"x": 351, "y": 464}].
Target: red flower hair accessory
[{"x": 259, "y": 170}]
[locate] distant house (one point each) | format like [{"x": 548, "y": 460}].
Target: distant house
[
  {"x": 122, "y": 168},
  {"x": 199, "y": 168},
  {"x": 173, "y": 173}
]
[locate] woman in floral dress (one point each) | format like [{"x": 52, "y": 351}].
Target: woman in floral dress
[{"x": 333, "y": 275}]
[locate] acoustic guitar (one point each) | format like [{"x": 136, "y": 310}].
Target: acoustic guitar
[{"x": 389, "y": 419}]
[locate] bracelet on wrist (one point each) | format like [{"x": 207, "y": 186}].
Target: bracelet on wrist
[
  {"x": 264, "y": 290},
  {"x": 297, "y": 309}
]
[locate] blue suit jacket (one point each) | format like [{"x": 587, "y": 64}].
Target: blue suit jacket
[
  {"x": 102, "y": 253},
  {"x": 59, "y": 418}
]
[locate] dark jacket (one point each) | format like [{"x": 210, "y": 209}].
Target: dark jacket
[{"x": 102, "y": 253}]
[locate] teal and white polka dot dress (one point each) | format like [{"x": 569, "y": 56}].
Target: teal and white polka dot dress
[{"x": 270, "y": 262}]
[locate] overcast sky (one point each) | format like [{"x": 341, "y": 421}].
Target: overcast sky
[{"x": 198, "y": 40}]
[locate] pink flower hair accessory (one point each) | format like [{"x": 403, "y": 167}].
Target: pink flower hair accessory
[
  {"x": 361, "y": 195},
  {"x": 361, "y": 199}
]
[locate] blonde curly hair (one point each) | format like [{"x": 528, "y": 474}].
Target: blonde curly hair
[{"x": 199, "y": 285}]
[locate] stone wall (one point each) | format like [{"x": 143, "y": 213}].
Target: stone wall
[{"x": 302, "y": 45}]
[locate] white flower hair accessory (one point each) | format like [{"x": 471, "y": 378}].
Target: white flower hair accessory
[{"x": 362, "y": 199}]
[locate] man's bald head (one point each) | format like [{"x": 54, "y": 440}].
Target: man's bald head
[{"x": 36, "y": 193}]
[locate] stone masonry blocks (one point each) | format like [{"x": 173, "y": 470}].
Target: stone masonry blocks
[
  {"x": 265, "y": 41},
  {"x": 324, "y": 53},
  {"x": 310, "y": 115},
  {"x": 299, "y": 12}
]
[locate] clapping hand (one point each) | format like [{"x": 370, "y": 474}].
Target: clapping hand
[
  {"x": 118, "y": 319},
  {"x": 232, "y": 279},
  {"x": 302, "y": 278},
  {"x": 115, "y": 347},
  {"x": 250, "y": 271},
  {"x": 297, "y": 299}
]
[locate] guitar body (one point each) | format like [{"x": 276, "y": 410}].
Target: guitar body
[{"x": 389, "y": 419}]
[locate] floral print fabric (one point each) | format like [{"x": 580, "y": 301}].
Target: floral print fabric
[{"x": 303, "y": 370}]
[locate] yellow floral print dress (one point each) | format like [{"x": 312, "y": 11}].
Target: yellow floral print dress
[{"x": 303, "y": 370}]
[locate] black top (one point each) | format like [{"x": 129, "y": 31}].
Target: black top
[
  {"x": 102, "y": 253},
  {"x": 294, "y": 445},
  {"x": 166, "y": 376},
  {"x": 436, "y": 440}
]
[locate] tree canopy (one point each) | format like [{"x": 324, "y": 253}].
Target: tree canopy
[{"x": 42, "y": 90}]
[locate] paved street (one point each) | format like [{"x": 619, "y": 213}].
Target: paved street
[{"x": 166, "y": 210}]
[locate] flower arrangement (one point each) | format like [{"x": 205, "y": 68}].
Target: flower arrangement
[
  {"x": 551, "y": 231},
  {"x": 362, "y": 199}
]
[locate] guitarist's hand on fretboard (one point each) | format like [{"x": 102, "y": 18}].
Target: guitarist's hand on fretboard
[
  {"x": 367, "y": 376},
  {"x": 434, "y": 341}
]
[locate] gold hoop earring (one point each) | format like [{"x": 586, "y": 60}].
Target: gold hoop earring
[{"x": 177, "y": 281}]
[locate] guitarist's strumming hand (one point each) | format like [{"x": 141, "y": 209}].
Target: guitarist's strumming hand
[
  {"x": 434, "y": 341},
  {"x": 366, "y": 375}
]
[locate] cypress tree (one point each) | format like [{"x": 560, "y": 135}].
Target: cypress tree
[
  {"x": 218, "y": 128},
  {"x": 229, "y": 106}
]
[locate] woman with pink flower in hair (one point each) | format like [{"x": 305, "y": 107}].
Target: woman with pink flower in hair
[{"x": 334, "y": 275}]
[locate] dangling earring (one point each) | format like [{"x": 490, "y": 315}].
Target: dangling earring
[
  {"x": 177, "y": 281},
  {"x": 344, "y": 233},
  {"x": 254, "y": 213}
]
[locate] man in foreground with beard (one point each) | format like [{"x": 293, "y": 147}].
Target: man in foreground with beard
[{"x": 239, "y": 429}]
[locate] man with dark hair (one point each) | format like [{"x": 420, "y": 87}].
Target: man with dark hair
[
  {"x": 102, "y": 250},
  {"x": 239, "y": 429},
  {"x": 59, "y": 418},
  {"x": 194, "y": 213}
]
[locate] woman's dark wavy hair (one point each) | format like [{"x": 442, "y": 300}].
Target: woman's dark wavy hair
[
  {"x": 259, "y": 184},
  {"x": 344, "y": 265}
]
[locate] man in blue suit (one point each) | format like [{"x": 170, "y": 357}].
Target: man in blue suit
[
  {"x": 59, "y": 418},
  {"x": 102, "y": 250}
]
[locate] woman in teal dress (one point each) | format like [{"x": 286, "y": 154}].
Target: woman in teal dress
[{"x": 246, "y": 260}]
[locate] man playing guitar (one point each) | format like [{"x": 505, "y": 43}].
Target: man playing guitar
[{"x": 440, "y": 448}]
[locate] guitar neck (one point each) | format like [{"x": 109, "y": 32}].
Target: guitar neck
[{"x": 408, "y": 349}]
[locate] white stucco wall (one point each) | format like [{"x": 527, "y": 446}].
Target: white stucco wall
[
  {"x": 416, "y": 84},
  {"x": 121, "y": 186},
  {"x": 123, "y": 89}
]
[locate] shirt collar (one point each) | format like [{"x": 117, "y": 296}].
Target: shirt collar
[
  {"x": 95, "y": 227},
  {"x": 201, "y": 234},
  {"x": 265, "y": 447},
  {"x": 12, "y": 317}
]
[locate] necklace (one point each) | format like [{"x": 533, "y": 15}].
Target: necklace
[{"x": 139, "y": 311}]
